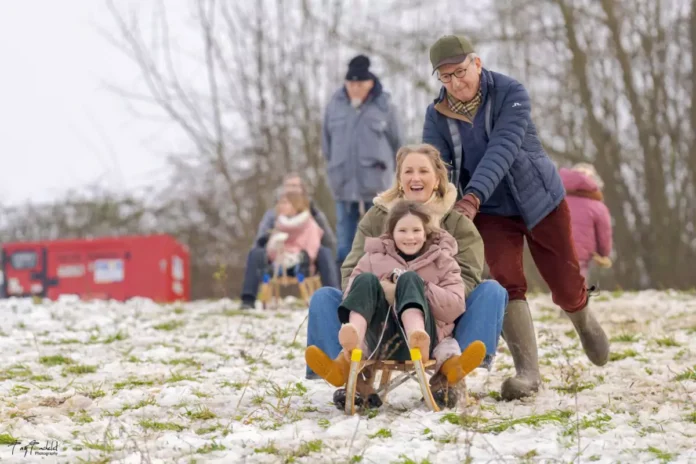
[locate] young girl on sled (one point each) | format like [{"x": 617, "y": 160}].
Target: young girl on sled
[
  {"x": 409, "y": 278},
  {"x": 296, "y": 237}
]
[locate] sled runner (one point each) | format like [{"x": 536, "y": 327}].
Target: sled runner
[{"x": 410, "y": 369}]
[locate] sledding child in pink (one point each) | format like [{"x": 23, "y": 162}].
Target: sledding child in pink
[
  {"x": 410, "y": 268},
  {"x": 590, "y": 219},
  {"x": 296, "y": 236}
]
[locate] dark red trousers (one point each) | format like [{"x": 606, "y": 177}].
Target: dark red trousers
[{"x": 551, "y": 245}]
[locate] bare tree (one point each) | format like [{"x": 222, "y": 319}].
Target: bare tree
[{"x": 612, "y": 84}]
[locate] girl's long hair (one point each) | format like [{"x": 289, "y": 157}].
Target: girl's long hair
[{"x": 404, "y": 208}]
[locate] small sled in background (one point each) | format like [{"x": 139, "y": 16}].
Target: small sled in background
[{"x": 269, "y": 293}]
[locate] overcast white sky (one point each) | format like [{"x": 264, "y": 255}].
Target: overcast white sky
[{"x": 59, "y": 126}]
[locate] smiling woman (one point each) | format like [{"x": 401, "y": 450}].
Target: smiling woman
[{"x": 421, "y": 177}]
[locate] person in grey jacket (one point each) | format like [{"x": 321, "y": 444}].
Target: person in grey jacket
[
  {"x": 360, "y": 137},
  {"x": 257, "y": 260}
]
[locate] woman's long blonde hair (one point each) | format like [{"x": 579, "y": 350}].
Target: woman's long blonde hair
[{"x": 433, "y": 154}]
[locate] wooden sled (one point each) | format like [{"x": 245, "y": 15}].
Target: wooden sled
[
  {"x": 415, "y": 368},
  {"x": 269, "y": 293}
]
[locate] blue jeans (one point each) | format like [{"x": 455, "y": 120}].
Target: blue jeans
[
  {"x": 347, "y": 218},
  {"x": 482, "y": 320}
]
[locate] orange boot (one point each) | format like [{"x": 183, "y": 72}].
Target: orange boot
[
  {"x": 458, "y": 367},
  {"x": 334, "y": 371}
]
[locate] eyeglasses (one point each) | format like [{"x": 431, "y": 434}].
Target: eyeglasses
[{"x": 459, "y": 73}]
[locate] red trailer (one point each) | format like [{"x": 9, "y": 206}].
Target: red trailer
[{"x": 119, "y": 268}]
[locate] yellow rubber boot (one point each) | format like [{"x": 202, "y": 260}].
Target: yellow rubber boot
[
  {"x": 334, "y": 371},
  {"x": 458, "y": 367}
]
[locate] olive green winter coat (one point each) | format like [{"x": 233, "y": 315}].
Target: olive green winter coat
[{"x": 470, "y": 245}]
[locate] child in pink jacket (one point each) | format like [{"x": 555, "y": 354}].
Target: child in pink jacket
[
  {"x": 590, "y": 219},
  {"x": 408, "y": 273},
  {"x": 296, "y": 236}
]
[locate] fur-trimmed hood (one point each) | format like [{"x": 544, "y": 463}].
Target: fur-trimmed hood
[
  {"x": 440, "y": 246},
  {"x": 439, "y": 206}
]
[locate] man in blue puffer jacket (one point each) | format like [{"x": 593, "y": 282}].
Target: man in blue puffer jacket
[{"x": 481, "y": 123}]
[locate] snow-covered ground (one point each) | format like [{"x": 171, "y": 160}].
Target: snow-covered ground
[{"x": 205, "y": 382}]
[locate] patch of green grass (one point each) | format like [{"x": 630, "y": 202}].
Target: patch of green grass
[
  {"x": 140, "y": 404},
  {"x": 117, "y": 337},
  {"x": 356, "y": 459},
  {"x": 662, "y": 456},
  {"x": 667, "y": 341},
  {"x": 403, "y": 459},
  {"x": 65, "y": 341},
  {"x": 7, "y": 439},
  {"x": 688, "y": 374},
  {"x": 201, "y": 414},
  {"x": 148, "y": 424},
  {"x": 463, "y": 420},
  {"x": 15, "y": 371},
  {"x": 381, "y": 433},
  {"x": 184, "y": 362},
  {"x": 570, "y": 334},
  {"x": 296, "y": 345},
  {"x": 481, "y": 424},
  {"x": 595, "y": 458},
  {"x": 106, "y": 446},
  {"x": 324, "y": 423},
  {"x": 619, "y": 355},
  {"x": 41, "y": 378},
  {"x": 179, "y": 310},
  {"x": 601, "y": 422},
  {"x": 133, "y": 383},
  {"x": 691, "y": 417},
  {"x": 306, "y": 448},
  {"x": 625, "y": 338},
  {"x": 210, "y": 447},
  {"x": 200, "y": 394},
  {"x": 91, "y": 391},
  {"x": 179, "y": 377},
  {"x": 574, "y": 388},
  {"x": 168, "y": 326},
  {"x": 236, "y": 385},
  {"x": 205, "y": 430},
  {"x": 79, "y": 369},
  {"x": 648, "y": 371},
  {"x": 82, "y": 418},
  {"x": 530, "y": 456},
  {"x": 55, "y": 360},
  {"x": 243, "y": 313},
  {"x": 270, "y": 448},
  {"x": 18, "y": 390}
]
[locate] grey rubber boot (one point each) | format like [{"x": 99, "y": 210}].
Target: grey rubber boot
[
  {"x": 594, "y": 340},
  {"x": 518, "y": 332}
]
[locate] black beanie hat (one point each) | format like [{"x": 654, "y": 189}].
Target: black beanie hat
[{"x": 359, "y": 69}]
